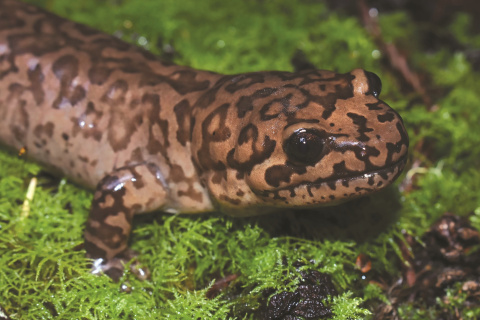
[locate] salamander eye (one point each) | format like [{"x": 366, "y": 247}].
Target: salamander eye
[
  {"x": 304, "y": 147},
  {"x": 374, "y": 84}
]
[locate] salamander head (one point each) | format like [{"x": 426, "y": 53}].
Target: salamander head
[{"x": 296, "y": 140}]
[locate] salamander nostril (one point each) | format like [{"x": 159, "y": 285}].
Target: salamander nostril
[{"x": 374, "y": 84}]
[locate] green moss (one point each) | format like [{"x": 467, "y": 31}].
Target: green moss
[
  {"x": 43, "y": 272},
  {"x": 194, "y": 305},
  {"x": 453, "y": 304}
]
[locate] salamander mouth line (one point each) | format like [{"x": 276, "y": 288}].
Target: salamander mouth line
[{"x": 364, "y": 176}]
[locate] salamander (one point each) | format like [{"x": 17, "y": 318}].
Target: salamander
[{"x": 147, "y": 135}]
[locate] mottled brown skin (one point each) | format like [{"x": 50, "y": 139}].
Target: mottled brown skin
[{"x": 149, "y": 136}]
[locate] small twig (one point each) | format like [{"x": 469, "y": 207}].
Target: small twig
[
  {"x": 220, "y": 285},
  {"x": 28, "y": 198},
  {"x": 397, "y": 60}
]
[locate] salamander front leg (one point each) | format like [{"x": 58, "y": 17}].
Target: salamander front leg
[{"x": 118, "y": 197}]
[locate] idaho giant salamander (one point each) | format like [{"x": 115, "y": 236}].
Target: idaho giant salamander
[{"x": 148, "y": 135}]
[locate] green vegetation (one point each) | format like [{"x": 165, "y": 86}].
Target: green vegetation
[{"x": 43, "y": 272}]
